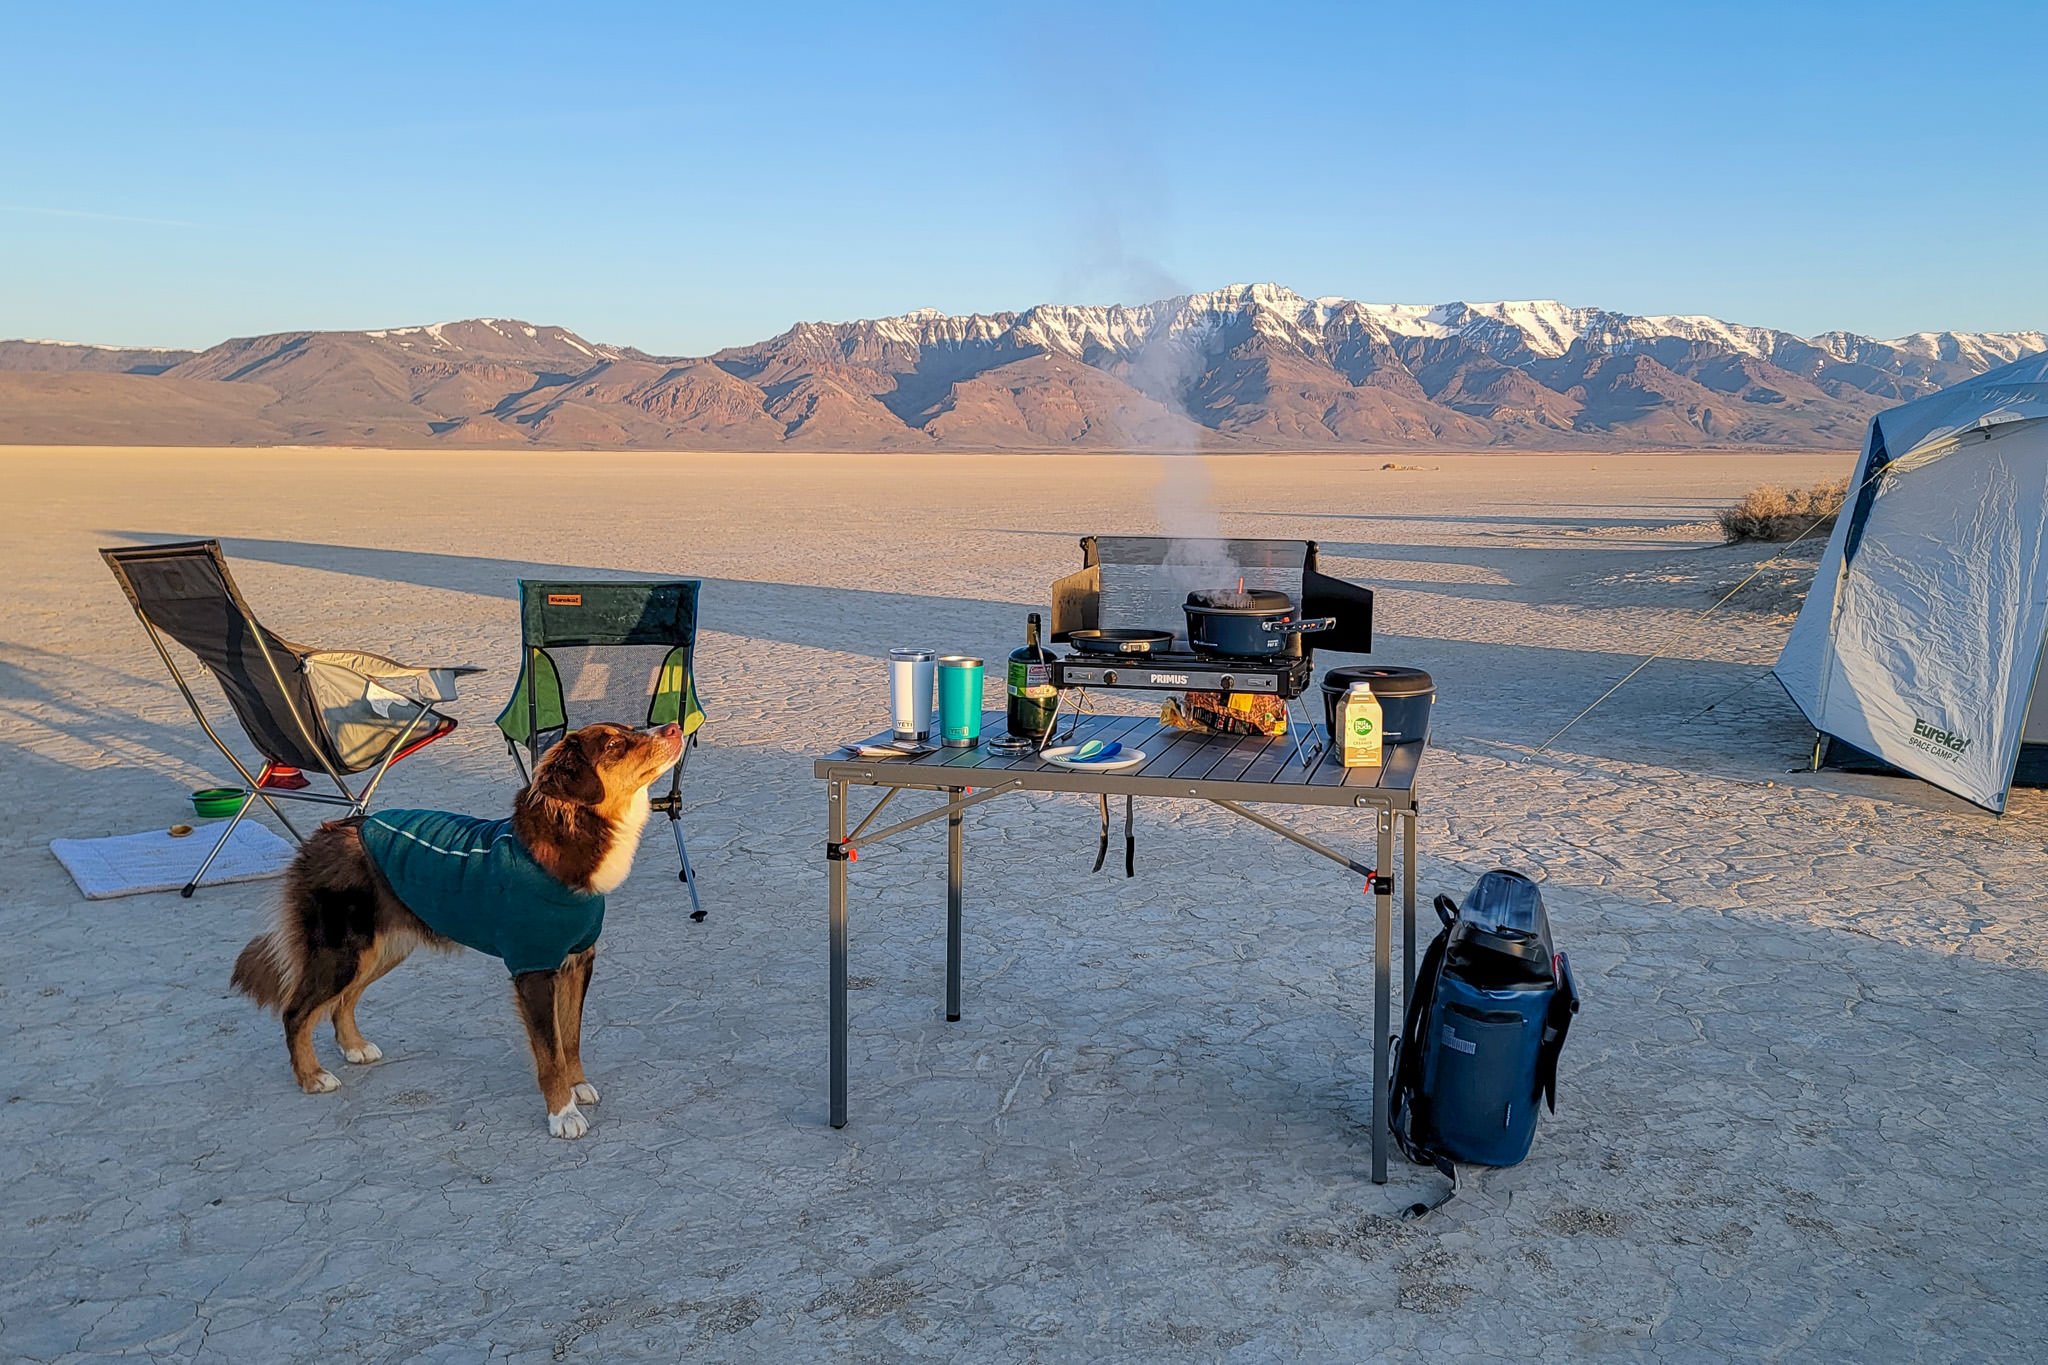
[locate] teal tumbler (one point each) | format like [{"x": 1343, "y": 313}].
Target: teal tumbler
[{"x": 959, "y": 701}]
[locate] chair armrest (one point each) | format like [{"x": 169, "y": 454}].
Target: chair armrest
[{"x": 426, "y": 684}]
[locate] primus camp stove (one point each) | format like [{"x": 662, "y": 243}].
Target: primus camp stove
[
  {"x": 1181, "y": 670},
  {"x": 1141, "y": 585},
  {"x": 1189, "y": 671}
]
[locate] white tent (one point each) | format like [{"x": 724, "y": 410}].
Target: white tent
[{"x": 1921, "y": 641}]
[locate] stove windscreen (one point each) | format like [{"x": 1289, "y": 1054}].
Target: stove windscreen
[{"x": 1146, "y": 579}]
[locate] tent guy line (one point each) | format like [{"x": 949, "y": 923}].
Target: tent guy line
[{"x": 1685, "y": 633}]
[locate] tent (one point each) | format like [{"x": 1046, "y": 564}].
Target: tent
[{"x": 1921, "y": 641}]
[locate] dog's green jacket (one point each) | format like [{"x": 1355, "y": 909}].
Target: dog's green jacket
[{"x": 473, "y": 881}]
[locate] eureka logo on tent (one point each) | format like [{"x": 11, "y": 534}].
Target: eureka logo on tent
[{"x": 1947, "y": 743}]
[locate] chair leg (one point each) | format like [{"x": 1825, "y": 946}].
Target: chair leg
[
  {"x": 289, "y": 828},
  {"x": 214, "y": 852},
  {"x": 283, "y": 819},
  {"x": 688, "y": 875}
]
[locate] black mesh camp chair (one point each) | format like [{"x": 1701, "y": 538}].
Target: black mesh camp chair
[
  {"x": 342, "y": 713},
  {"x": 617, "y": 651}
]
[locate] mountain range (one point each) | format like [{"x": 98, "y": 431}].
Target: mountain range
[{"x": 1243, "y": 367}]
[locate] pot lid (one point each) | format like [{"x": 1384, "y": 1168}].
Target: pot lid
[
  {"x": 1259, "y": 600},
  {"x": 1387, "y": 680}
]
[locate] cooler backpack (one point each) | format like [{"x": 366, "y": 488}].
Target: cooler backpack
[{"x": 1481, "y": 1035}]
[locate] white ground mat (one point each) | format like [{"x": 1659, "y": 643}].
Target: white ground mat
[{"x": 130, "y": 864}]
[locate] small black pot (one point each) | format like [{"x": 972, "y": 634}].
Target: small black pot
[
  {"x": 1258, "y": 624},
  {"x": 1405, "y": 696}
]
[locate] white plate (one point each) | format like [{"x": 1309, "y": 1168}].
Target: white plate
[{"x": 1062, "y": 756}]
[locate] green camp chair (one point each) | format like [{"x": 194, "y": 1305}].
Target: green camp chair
[{"x": 617, "y": 651}]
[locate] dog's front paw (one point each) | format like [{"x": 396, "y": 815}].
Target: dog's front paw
[
  {"x": 364, "y": 1055},
  {"x": 584, "y": 1092},
  {"x": 319, "y": 1083},
  {"x": 570, "y": 1123}
]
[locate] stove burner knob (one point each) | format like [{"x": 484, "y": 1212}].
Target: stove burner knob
[
  {"x": 1109, "y": 678},
  {"x": 1228, "y": 682}
]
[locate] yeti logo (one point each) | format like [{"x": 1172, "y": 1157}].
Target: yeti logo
[{"x": 1947, "y": 743}]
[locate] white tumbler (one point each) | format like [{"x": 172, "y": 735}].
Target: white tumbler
[{"x": 910, "y": 691}]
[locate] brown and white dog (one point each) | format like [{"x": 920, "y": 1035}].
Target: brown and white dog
[{"x": 529, "y": 890}]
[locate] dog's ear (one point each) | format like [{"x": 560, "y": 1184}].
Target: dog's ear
[{"x": 567, "y": 774}]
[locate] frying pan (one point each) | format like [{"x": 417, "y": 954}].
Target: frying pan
[{"x": 1120, "y": 641}]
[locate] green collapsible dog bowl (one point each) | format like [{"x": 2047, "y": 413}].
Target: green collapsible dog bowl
[{"x": 212, "y": 801}]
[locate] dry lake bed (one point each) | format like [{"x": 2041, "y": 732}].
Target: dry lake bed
[{"x": 1803, "y": 1115}]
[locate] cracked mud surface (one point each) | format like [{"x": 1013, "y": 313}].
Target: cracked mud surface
[{"x": 1801, "y": 1117}]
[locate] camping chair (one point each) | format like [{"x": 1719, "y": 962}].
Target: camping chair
[
  {"x": 617, "y": 651},
  {"x": 340, "y": 712}
]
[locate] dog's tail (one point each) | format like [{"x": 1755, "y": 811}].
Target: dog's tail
[{"x": 263, "y": 971}]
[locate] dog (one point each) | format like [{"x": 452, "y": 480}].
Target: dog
[{"x": 363, "y": 892}]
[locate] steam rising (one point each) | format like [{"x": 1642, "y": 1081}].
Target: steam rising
[{"x": 1109, "y": 172}]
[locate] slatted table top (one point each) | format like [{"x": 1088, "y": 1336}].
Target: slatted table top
[{"x": 1177, "y": 763}]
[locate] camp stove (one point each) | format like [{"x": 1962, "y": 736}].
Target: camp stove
[
  {"x": 1184, "y": 670},
  {"x": 1139, "y": 586},
  {"x": 1133, "y": 587}
]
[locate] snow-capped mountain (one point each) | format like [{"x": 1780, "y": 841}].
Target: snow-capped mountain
[
  {"x": 1262, "y": 365},
  {"x": 1244, "y": 366}
]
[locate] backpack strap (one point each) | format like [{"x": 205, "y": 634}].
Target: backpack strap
[
  {"x": 1557, "y": 1021},
  {"x": 1421, "y": 1207},
  {"x": 1407, "y": 1107},
  {"x": 1408, "y": 1118}
]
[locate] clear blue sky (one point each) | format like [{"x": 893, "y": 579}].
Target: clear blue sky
[{"x": 686, "y": 176}]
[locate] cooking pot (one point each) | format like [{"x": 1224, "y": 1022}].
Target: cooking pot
[
  {"x": 1258, "y": 624},
  {"x": 1405, "y": 696}
]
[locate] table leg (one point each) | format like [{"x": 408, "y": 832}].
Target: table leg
[
  {"x": 956, "y": 880},
  {"x": 1407, "y": 908},
  {"x": 1382, "y": 1016},
  {"x": 835, "y": 914}
]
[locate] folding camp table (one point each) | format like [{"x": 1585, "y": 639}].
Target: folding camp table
[{"x": 1230, "y": 771}]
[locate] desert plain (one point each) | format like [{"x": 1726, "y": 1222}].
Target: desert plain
[{"x": 1801, "y": 1116}]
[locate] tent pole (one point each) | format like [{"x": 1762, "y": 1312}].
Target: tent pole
[{"x": 2013, "y": 772}]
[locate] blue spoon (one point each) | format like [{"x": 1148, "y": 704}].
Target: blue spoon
[{"x": 1095, "y": 751}]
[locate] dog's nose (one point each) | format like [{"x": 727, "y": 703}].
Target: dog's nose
[{"x": 669, "y": 731}]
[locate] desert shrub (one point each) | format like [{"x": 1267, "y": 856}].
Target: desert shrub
[{"x": 1773, "y": 513}]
